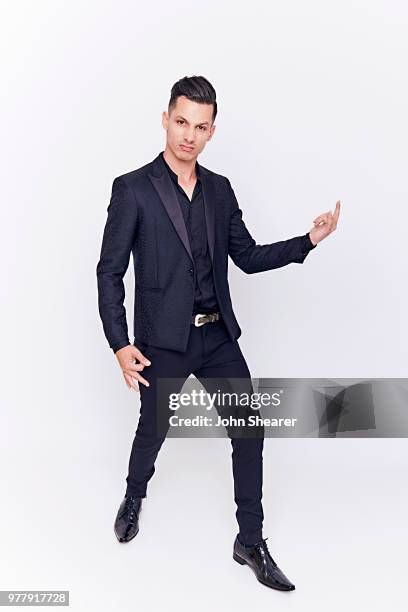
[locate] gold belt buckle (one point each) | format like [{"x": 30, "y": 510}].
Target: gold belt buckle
[{"x": 196, "y": 323}]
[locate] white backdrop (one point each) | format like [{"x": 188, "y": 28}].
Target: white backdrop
[{"x": 312, "y": 101}]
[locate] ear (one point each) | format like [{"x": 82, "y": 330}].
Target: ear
[
  {"x": 212, "y": 130},
  {"x": 165, "y": 119}
]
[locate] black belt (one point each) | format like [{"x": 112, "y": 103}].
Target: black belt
[{"x": 201, "y": 319}]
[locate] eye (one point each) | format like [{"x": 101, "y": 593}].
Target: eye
[
  {"x": 179, "y": 121},
  {"x": 202, "y": 127}
]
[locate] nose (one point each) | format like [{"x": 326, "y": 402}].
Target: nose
[{"x": 189, "y": 136}]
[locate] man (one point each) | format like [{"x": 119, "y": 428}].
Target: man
[{"x": 180, "y": 221}]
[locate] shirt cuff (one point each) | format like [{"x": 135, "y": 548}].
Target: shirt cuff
[
  {"x": 307, "y": 243},
  {"x": 118, "y": 345}
]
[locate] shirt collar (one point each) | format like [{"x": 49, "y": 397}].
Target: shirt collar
[{"x": 173, "y": 175}]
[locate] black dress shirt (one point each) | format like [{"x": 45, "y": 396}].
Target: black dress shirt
[
  {"x": 194, "y": 217},
  {"x": 205, "y": 299}
]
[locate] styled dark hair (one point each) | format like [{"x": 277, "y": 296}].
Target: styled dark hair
[{"x": 195, "y": 88}]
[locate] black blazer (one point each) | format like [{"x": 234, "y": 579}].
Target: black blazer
[{"x": 145, "y": 219}]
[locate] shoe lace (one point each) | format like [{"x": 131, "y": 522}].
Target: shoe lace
[
  {"x": 264, "y": 551},
  {"x": 130, "y": 507}
]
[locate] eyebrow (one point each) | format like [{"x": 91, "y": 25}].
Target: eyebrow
[{"x": 184, "y": 119}]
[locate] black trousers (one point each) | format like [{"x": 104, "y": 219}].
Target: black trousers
[{"x": 210, "y": 354}]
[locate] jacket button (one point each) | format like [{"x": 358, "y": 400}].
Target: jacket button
[{"x": 191, "y": 270}]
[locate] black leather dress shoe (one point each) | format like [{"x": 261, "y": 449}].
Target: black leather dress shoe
[
  {"x": 127, "y": 520},
  {"x": 260, "y": 561}
]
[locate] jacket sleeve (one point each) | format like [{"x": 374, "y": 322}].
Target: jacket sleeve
[
  {"x": 117, "y": 241},
  {"x": 252, "y": 257}
]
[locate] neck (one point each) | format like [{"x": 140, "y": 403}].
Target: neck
[{"x": 185, "y": 169}]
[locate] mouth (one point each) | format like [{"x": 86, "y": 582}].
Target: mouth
[{"x": 186, "y": 147}]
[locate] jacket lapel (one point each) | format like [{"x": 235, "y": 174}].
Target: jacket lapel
[{"x": 164, "y": 186}]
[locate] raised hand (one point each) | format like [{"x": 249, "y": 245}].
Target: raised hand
[{"x": 324, "y": 224}]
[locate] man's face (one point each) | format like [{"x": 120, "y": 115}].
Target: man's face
[{"x": 189, "y": 127}]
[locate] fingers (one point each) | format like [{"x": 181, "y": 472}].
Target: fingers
[
  {"x": 132, "y": 361},
  {"x": 129, "y": 353},
  {"x": 134, "y": 368},
  {"x": 333, "y": 217},
  {"x": 139, "y": 355},
  {"x": 322, "y": 218},
  {"x": 336, "y": 212},
  {"x": 319, "y": 218},
  {"x": 328, "y": 215},
  {"x": 326, "y": 223},
  {"x": 142, "y": 380},
  {"x": 130, "y": 382},
  {"x": 132, "y": 376}
]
